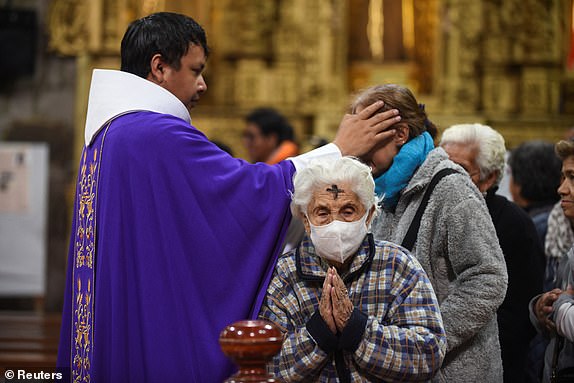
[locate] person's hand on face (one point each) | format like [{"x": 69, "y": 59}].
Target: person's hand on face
[
  {"x": 325, "y": 306},
  {"x": 359, "y": 133},
  {"x": 342, "y": 305},
  {"x": 543, "y": 308}
]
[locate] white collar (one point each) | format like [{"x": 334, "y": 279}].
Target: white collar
[{"x": 114, "y": 93}]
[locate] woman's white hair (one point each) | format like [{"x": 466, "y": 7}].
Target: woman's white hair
[
  {"x": 490, "y": 143},
  {"x": 322, "y": 173}
]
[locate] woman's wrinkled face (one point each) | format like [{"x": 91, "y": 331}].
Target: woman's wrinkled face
[
  {"x": 566, "y": 188},
  {"x": 333, "y": 202},
  {"x": 466, "y": 156}
]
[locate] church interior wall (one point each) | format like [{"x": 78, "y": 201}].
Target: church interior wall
[{"x": 39, "y": 107}]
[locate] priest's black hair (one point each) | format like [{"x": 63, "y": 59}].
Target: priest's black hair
[{"x": 166, "y": 33}]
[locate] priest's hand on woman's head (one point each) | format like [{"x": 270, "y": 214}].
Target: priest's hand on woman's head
[{"x": 361, "y": 132}]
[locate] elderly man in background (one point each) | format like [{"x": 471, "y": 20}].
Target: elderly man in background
[
  {"x": 351, "y": 308},
  {"x": 480, "y": 150}
]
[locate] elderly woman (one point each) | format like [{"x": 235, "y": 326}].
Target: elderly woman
[
  {"x": 480, "y": 150},
  {"x": 449, "y": 231},
  {"x": 553, "y": 312},
  {"x": 351, "y": 308}
]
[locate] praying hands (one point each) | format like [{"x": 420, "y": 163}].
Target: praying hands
[{"x": 335, "y": 306}]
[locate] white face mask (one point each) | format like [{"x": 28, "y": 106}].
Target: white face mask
[{"x": 338, "y": 240}]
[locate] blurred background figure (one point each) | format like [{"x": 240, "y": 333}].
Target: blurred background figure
[
  {"x": 535, "y": 176},
  {"x": 481, "y": 151},
  {"x": 317, "y": 141},
  {"x": 223, "y": 146},
  {"x": 268, "y": 137},
  {"x": 534, "y": 180},
  {"x": 569, "y": 134}
]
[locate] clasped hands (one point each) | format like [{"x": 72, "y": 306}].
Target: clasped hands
[
  {"x": 335, "y": 305},
  {"x": 543, "y": 308}
]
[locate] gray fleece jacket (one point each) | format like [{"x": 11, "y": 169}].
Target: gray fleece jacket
[{"x": 458, "y": 248}]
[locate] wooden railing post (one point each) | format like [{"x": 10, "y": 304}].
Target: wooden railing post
[{"x": 251, "y": 344}]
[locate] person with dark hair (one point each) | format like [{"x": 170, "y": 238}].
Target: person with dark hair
[
  {"x": 167, "y": 34},
  {"x": 552, "y": 313},
  {"x": 268, "y": 136},
  {"x": 223, "y": 147},
  {"x": 432, "y": 208},
  {"x": 560, "y": 230},
  {"x": 535, "y": 175},
  {"x": 172, "y": 238},
  {"x": 480, "y": 150},
  {"x": 535, "y": 178}
]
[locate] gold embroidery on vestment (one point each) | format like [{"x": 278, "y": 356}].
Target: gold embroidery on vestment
[
  {"x": 83, "y": 331},
  {"x": 86, "y": 218},
  {"x": 84, "y": 261}
]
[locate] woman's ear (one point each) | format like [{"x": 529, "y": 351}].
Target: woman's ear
[
  {"x": 402, "y": 134},
  {"x": 305, "y": 220},
  {"x": 157, "y": 66},
  {"x": 486, "y": 184},
  {"x": 370, "y": 216}
]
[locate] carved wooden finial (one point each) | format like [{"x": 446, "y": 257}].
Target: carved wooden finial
[{"x": 251, "y": 344}]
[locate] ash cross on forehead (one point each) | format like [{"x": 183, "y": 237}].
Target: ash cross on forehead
[{"x": 335, "y": 190}]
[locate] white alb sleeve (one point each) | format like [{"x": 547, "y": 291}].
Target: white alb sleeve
[{"x": 326, "y": 151}]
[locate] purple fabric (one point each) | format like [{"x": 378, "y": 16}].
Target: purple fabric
[{"x": 186, "y": 240}]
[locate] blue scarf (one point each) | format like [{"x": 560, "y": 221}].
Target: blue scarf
[{"x": 412, "y": 154}]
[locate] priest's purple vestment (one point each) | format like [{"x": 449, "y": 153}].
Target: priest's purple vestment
[{"x": 172, "y": 240}]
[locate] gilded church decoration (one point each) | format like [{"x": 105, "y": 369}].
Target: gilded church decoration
[
  {"x": 488, "y": 60},
  {"x": 67, "y": 24},
  {"x": 375, "y": 28}
]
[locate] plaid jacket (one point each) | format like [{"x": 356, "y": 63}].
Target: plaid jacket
[{"x": 395, "y": 332}]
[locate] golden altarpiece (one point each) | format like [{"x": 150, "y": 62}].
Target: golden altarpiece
[{"x": 501, "y": 62}]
